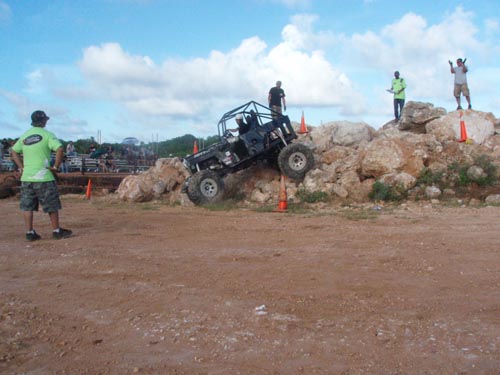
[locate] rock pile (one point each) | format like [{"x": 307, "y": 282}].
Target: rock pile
[{"x": 351, "y": 157}]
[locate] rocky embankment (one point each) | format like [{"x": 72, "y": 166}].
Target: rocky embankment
[{"x": 420, "y": 157}]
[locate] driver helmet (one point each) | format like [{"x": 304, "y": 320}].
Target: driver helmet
[{"x": 239, "y": 116}]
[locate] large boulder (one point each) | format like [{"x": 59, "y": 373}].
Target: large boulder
[
  {"x": 416, "y": 115},
  {"x": 356, "y": 189},
  {"x": 344, "y": 133},
  {"x": 403, "y": 179},
  {"x": 478, "y": 126},
  {"x": 165, "y": 176},
  {"x": 384, "y": 156}
]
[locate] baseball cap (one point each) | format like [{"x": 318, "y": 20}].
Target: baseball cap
[{"x": 38, "y": 117}]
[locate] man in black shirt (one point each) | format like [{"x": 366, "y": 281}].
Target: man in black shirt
[{"x": 276, "y": 95}]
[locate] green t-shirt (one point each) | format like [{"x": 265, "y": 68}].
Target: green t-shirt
[
  {"x": 398, "y": 84},
  {"x": 36, "y": 145}
]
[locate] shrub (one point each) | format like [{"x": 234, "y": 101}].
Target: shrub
[
  {"x": 458, "y": 172},
  {"x": 486, "y": 164},
  {"x": 428, "y": 177},
  {"x": 385, "y": 192}
]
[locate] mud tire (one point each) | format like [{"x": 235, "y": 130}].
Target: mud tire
[
  {"x": 205, "y": 187},
  {"x": 295, "y": 160}
]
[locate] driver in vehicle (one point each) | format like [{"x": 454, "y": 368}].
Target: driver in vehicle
[
  {"x": 238, "y": 145},
  {"x": 242, "y": 126}
]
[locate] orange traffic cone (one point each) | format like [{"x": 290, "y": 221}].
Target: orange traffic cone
[
  {"x": 463, "y": 131},
  {"x": 283, "y": 204},
  {"x": 195, "y": 147},
  {"x": 303, "y": 129},
  {"x": 88, "y": 193}
]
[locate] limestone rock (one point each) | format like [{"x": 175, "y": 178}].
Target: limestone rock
[
  {"x": 416, "y": 115},
  {"x": 479, "y": 126},
  {"x": 163, "y": 177},
  {"x": 342, "y": 133}
]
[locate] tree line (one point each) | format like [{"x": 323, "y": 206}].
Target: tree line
[{"x": 175, "y": 147}]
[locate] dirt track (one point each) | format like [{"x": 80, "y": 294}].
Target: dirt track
[{"x": 152, "y": 289}]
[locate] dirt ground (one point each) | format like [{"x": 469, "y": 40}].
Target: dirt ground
[{"x": 156, "y": 289}]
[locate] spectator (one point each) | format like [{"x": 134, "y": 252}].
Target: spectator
[
  {"x": 70, "y": 149},
  {"x": 398, "y": 87},
  {"x": 64, "y": 164},
  {"x": 38, "y": 184},
  {"x": 275, "y": 97},
  {"x": 460, "y": 86},
  {"x": 109, "y": 159}
]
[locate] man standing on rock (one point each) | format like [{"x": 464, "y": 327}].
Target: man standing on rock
[
  {"x": 398, "y": 87},
  {"x": 276, "y": 95},
  {"x": 461, "y": 86},
  {"x": 38, "y": 185}
]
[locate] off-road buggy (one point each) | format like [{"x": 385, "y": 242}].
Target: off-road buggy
[{"x": 268, "y": 139}]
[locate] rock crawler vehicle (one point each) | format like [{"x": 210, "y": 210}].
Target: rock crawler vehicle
[{"x": 269, "y": 138}]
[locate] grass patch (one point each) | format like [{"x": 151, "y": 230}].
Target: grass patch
[
  {"x": 312, "y": 196},
  {"x": 359, "y": 214},
  {"x": 149, "y": 207}
]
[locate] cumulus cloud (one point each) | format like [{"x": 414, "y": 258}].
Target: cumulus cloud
[
  {"x": 418, "y": 49},
  {"x": 346, "y": 74},
  {"x": 190, "y": 87}
]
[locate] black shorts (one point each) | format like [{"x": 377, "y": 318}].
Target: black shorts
[{"x": 44, "y": 193}]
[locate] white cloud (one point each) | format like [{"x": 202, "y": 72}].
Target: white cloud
[
  {"x": 193, "y": 87},
  {"x": 110, "y": 64},
  {"x": 419, "y": 50},
  {"x": 341, "y": 74}
]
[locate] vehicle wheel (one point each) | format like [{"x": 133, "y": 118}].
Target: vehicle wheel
[
  {"x": 295, "y": 160},
  {"x": 205, "y": 187}
]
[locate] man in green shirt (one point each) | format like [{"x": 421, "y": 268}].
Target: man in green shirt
[
  {"x": 38, "y": 185},
  {"x": 398, "y": 87}
]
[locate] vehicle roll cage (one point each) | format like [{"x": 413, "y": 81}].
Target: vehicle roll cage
[{"x": 253, "y": 113}]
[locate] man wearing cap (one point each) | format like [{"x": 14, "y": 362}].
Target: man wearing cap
[
  {"x": 398, "y": 86},
  {"x": 276, "y": 95},
  {"x": 38, "y": 185},
  {"x": 461, "y": 86}
]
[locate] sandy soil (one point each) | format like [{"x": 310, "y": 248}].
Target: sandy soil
[{"x": 153, "y": 289}]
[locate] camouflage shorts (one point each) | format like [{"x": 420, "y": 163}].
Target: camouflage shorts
[
  {"x": 461, "y": 89},
  {"x": 276, "y": 108},
  {"x": 44, "y": 193}
]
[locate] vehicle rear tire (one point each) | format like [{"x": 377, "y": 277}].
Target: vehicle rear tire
[
  {"x": 295, "y": 160},
  {"x": 205, "y": 187}
]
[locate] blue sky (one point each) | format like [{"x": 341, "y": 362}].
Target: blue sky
[{"x": 158, "y": 69}]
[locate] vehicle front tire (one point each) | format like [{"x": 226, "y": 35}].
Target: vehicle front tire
[
  {"x": 295, "y": 160},
  {"x": 205, "y": 187}
]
